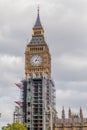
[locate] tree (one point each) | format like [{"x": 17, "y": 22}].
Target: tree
[{"x": 15, "y": 126}]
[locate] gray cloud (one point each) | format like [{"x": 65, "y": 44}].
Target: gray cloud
[{"x": 70, "y": 68}]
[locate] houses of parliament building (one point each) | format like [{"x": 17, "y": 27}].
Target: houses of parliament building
[{"x": 37, "y": 106}]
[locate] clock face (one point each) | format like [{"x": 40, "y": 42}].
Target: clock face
[{"x": 36, "y": 60}]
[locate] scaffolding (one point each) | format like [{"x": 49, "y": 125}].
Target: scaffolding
[
  {"x": 18, "y": 113},
  {"x": 38, "y": 105}
]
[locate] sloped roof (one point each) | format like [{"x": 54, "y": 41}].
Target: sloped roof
[{"x": 38, "y": 22}]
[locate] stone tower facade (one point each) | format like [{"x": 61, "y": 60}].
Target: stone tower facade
[{"x": 37, "y": 55}]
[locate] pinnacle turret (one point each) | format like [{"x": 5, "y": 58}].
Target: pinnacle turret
[
  {"x": 69, "y": 113},
  {"x": 81, "y": 114},
  {"x": 63, "y": 114}
]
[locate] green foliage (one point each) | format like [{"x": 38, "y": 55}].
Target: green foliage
[{"x": 15, "y": 126}]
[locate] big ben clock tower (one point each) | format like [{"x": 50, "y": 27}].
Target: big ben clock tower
[
  {"x": 38, "y": 90},
  {"x": 37, "y": 55}
]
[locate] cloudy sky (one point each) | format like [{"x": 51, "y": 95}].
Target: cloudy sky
[{"x": 65, "y": 24}]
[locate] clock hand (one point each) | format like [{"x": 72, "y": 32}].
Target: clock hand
[{"x": 36, "y": 60}]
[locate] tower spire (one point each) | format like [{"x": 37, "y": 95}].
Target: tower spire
[
  {"x": 38, "y": 24},
  {"x": 38, "y": 9},
  {"x": 63, "y": 114},
  {"x": 81, "y": 114},
  {"x": 69, "y": 113}
]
